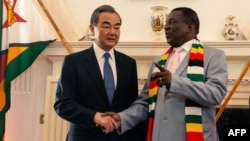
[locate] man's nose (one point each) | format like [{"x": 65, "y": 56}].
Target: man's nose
[
  {"x": 112, "y": 30},
  {"x": 167, "y": 27}
]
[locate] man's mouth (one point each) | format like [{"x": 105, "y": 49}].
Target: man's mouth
[{"x": 111, "y": 39}]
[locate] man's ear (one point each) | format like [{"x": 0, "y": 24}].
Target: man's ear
[
  {"x": 191, "y": 27},
  {"x": 91, "y": 29}
]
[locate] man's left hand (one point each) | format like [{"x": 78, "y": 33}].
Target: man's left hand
[{"x": 163, "y": 77}]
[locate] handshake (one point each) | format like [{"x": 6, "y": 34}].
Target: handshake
[{"x": 107, "y": 121}]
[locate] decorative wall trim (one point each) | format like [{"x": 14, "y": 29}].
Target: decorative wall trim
[{"x": 144, "y": 49}]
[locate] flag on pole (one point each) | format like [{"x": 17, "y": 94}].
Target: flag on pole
[{"x": 23, "y": 37}]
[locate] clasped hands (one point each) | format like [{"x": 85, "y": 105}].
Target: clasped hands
[{"x": 107, "y": 121}]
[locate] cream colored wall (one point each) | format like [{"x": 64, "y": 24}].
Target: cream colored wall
[
  {"x": 136, "y": 15},
  {"x": 135, "y": 28}
]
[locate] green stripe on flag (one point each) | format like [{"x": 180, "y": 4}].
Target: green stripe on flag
[
  {"x": 2, "y": 125},
  {"x": 24, "y": 60},
  {"x": 152, "y": 99},
  {"x": 196, "y": 77},
  {"x": 193, "y": 119}
]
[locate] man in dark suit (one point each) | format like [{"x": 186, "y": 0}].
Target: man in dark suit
[{"x": 81, "y": 96}]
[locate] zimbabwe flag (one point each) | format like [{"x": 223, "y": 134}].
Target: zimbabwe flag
[{"x": 21, "y": 44}]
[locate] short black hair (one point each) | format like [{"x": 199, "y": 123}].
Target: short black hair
[
  {"x": 104, "y": 8},
  {"x": 191, "y": 16}
]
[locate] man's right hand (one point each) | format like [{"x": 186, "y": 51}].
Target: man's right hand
[
  {"x": 115, "y": 116},
  {"x": 106, "y": 123}
]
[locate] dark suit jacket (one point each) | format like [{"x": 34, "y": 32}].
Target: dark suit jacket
[{"x": 81, "y": 93}]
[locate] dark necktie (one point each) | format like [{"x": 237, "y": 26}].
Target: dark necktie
[{"x": 108, "y": 78}]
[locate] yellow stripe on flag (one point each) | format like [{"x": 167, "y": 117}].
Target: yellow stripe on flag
[
  {"x": 2, "y": 96},
  {"x": 14, "y": 52},
  {"x": 193, "y": 127},
  {"x": 164, "y": 56},
  {"x": 198, "y": 50},
  {"x": 153, "y": 91}
]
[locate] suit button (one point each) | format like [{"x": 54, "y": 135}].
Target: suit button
[{"x": 165, "y": 118}]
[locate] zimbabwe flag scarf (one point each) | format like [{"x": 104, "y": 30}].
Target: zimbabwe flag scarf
[{"x": 193, "y": 116}]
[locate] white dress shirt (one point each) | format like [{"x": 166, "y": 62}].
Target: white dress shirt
[{"x": 100, "y": 59}]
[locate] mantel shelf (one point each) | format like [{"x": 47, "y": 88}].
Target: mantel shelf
[{"x": 150, "y": 49}]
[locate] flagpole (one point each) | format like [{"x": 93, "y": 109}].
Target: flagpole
[
  {"x": 58, "y": 31},
  {"x": 222, "y": 107}
]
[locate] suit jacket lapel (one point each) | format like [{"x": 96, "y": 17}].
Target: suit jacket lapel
[
  {"x": 121, "y": 73},
  {"x": 183, "y": 65},
  {"x": 119, "y": 70}
]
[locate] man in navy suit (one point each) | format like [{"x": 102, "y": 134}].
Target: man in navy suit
[{"x": 81, "y": 97}]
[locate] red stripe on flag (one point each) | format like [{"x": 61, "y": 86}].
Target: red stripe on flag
[
  {"x": 194, "y": 136},
  {"x": 3, "y": 60},
  {"x": 150, "y": 128},
  {"x": 153, "y": 84},
  {"x": 196, "y": 56}
]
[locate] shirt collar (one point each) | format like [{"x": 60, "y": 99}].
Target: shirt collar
[
  {"x": 99, "y": 52},
  {"x": 187, "y": 46}
]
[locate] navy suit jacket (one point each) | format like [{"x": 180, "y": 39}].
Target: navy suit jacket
[{"x": 81, "y": 93}]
